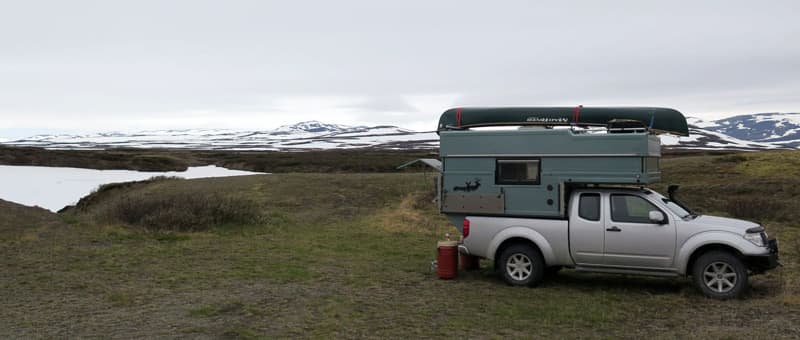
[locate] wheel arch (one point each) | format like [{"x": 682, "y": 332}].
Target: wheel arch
[
  {"x": 707, "y": 240},
  {"x": 513, "y": 241},
  {"x": 699, "y": 251}
]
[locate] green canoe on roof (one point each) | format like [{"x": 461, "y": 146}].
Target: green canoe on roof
[{"x": 657, "y": 119}]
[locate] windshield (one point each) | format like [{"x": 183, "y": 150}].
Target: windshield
[
  {"x": 674, "y": 207},
  {"x": 681, "y": 212}
]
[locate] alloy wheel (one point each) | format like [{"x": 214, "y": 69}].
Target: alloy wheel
[
  {"x": 720, "y": 277},
  {"x": 519, "y": 267}
]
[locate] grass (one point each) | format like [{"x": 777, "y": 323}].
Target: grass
[
  {"x": 339, "y": 161},
  {"x": 187, "y": 209},
  {"x": 763, "y": 186},
  {"x": 95, "y": 159},
  {"x": 348, "y": 256}
]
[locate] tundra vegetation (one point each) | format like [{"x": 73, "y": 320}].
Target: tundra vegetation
[
  {"x": 348, "y": 255},
  {"x": 360, "y": 160}
]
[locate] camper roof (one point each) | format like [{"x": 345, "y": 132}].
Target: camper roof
[{"x": 657, "y": 119}]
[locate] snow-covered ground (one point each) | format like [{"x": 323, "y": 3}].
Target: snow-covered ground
[
  {"x": 700, "y": 123},
  {"x": 702, "y": 139},
  {"x": 778, "y": 128},
  {"x": 53, "y": 188}
]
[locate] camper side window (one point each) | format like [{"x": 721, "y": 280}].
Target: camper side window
[{"x": 517, "y": 171}]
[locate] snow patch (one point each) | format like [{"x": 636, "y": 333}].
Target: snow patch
[{"x": 700, "y": 123}]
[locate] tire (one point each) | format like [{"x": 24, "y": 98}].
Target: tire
[
  {"x": 720, "y": 275},
  {"x": 521, "y": 265}
]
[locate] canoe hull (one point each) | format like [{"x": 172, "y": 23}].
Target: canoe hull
[{"x": 657, "y": 119}]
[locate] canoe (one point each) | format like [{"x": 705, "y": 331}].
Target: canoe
[{"x": 657, "y": 119}]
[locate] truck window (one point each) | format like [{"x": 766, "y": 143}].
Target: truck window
[
  {"x": 517, "y": 171},
  {"x": 589, "y": 207},
  {"x": 631, "y": 208}
]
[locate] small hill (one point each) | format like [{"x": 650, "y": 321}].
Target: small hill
[{"x": 17, "y": 220}]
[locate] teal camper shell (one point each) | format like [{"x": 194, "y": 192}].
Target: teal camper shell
[{"x": 528, "y": 171}]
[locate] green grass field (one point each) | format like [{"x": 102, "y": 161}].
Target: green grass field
[{"x": 325, "y": 255}]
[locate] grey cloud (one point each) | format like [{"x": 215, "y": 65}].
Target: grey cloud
[
  {"x": 384, "y": 103},
  {"x": 123, "y": 59}
]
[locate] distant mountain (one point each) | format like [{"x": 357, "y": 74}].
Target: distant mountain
[
  {"x": 777, "y": 128},
  {"x": 703, "y": 139},
  {"x": 313, "y": 126},
  {"x": 752, "y": 132}
]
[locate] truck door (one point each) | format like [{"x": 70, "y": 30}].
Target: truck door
[
  {"x": 631, "y": 239},
  {"x": 586, "y": 229}
]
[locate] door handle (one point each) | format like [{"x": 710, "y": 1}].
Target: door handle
[{"x": 614, "y": 228}]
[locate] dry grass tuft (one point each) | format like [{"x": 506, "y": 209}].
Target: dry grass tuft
[
  {"x": 167, "y": 204},
  {"x": 415, "y": 214},
  {"x": 181, "y": 211}
]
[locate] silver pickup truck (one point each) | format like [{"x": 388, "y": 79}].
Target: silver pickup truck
[{"x": 625, "y": 231}]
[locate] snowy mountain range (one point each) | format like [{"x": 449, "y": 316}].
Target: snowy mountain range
[
  {"x": 310, "y": 135},
  {"x": 747, "y": 132},
  {"x": 775, "y": 128}
]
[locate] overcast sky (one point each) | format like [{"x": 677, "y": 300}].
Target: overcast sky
[{"x": 128, "y": 65}]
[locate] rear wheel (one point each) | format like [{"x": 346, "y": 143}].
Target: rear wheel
[
  {"x": 720, "y": 275},
  {"x": 521, "y": 265}
]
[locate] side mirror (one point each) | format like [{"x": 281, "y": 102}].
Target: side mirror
[{"x": 657, "y": 217}]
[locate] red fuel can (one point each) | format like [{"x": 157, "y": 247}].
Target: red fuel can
[{"x": 447, "y": 260}]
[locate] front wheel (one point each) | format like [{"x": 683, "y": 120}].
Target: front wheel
[
  {"x": 521, "y": 265},
  {"x": 720, "y": 275}
]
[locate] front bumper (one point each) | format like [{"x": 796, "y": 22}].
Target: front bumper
[{"x": 762, "y": 263}]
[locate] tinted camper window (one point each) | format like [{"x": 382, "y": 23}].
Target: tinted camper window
[{"x": 517, "y": 171}]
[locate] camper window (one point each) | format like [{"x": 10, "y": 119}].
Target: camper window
[{"x": 517, "y": 171}]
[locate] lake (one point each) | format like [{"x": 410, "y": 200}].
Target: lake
[{"x": 53, "y": 188}]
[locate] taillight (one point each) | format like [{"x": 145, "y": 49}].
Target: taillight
[{"x": 465, "y": 228}]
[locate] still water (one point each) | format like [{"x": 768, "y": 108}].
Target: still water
[{"x": 53, "y": 188}]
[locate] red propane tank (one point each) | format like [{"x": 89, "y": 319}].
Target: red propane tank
[{"x": 447, "y": 259}]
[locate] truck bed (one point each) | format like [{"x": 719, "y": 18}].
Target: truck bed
[{"x": 492, "y": 231}]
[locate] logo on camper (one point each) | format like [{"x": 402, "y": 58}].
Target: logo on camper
[{"x": 547, "y": 120}]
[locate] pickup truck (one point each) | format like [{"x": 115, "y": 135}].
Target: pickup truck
[{"x": 624, "y": 231}]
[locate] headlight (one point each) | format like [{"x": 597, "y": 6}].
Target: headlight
[{"x": 756, "y": 238}]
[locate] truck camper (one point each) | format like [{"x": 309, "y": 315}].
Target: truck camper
[
  {"x": 536, "y": 189},
  {"x": 528, "y": 171}
]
